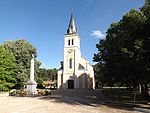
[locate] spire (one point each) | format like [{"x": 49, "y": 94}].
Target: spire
[{"x": 71, "y": 29}]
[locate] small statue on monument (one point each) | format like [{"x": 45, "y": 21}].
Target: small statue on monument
[{"x": 32, "y": 55}]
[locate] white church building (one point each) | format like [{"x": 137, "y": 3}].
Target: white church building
[{"x": 76, "y": 72}]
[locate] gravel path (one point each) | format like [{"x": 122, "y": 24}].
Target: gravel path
[{"x": 59, "y": 102}]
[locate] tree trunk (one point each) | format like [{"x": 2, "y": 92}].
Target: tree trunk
[
  {"x": 145, "y": 91},
  {"x": 140, "y": 88}
]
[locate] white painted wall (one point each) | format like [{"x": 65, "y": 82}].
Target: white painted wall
[{"x": 76, "y": 56}]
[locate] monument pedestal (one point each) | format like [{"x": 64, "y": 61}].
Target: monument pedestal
[{"x": 31, "y": 87}]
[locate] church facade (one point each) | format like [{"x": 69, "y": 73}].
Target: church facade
[{"x": 76, "y": 72}]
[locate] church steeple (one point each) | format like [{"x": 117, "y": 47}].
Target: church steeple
[{"x": 71, "y": 29}]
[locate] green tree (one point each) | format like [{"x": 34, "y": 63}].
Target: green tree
[
  {"x": 7, "y": 70},
  {"x": 100, "y": 67},
  {"x": 22, "y": 50},
  {"x": 146, "y": 47},
  {"x": 47, "y": 74},
  {"x": 39, "y": 82},
  {"x": 125, "y": 52},
  {"x": 42, "y": 74},
  {"x": 52, "y": 74}
]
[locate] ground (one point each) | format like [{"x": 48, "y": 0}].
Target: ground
[{"x": 67, "y": 101}]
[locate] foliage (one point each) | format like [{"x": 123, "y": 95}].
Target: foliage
[
  {"x": 13, "y": 92},
  {"x": 52, "y": 74},
  {"x": 25, "y": 93},
  {"x": 39, "y": 82},
  {"x": 124, "y": 56},
  {"x": 42, "y": 92},
  {"x": 47, "y": 74},
  {"x": 7, "y": 70},
  {"x": 42, "y": 74},
  {"x": 22, "y": 92},
  {"x": 99, "y": 78},
  {"x": 22, "y": 51}
]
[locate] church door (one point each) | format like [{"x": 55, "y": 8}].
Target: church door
[{"x": 70, "y": 84}]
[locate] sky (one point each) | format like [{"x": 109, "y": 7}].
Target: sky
[{"x": 43, "y": 23}]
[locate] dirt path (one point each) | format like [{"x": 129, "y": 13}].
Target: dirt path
[{"x": 59, "y": 102}]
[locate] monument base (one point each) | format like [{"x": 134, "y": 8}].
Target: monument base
[{"x": 31, "y": 87}]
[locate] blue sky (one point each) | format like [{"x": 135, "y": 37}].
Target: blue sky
[{"x": 43, "y": 23}]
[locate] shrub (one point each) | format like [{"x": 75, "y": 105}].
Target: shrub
[
  {"x": 13, "y": 92},
  {"x": 41, "y": 92},
  {"x": 22, "y": 92}
]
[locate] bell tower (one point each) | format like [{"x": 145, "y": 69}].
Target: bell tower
[
  {"x": 72, "y": 52},
  {"x": 76, "y": 72}
]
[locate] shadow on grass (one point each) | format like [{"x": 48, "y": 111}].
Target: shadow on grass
[
  {"x": 127, "y": 98},
  {"x": 83, "y": 97}
]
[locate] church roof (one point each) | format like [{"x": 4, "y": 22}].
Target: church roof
[
  {"x": 71, "y": 28},
  {"x": 81, "y": 67}
]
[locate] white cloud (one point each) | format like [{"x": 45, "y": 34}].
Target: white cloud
[{"x": 98, "y": 34}]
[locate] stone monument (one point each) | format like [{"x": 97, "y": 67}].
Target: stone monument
[{"x": 31, "y": 85}]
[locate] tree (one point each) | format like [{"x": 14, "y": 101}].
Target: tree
[
  {"x": 7, "y": 69},
  {"x": 22, "y": 51},
  {"x": 52, "y": 74},
  {"x": 42, "y": 74},
  {"x": 100, "y": 67},
  {"x": 125, "y": 52},
  {"x": 39, "y": 82},
  {"x": 146, "y": 46},
  {"x": 47, "y": 74}
]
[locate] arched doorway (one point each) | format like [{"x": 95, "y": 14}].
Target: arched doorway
[{"x": 70, "y": 84}]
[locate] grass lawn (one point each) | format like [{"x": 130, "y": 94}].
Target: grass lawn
[{"x": 126, "y": 98}]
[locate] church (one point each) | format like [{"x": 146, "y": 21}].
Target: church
[{"x": 76, "y": 72}]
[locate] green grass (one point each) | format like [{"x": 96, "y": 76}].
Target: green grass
[{"x": 122, "y": 96}]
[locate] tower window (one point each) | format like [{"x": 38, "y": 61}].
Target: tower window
[
  {"x": 68, "y": 42},
  {"x": 72, "y": 42},
  {"x": 70, "y": 63}
]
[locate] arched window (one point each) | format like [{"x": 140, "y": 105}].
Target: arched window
[
  {"x": 70, "y": 63},
  {"x": 72, "y": 41},
  {"x": 68, "y": 42}
]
